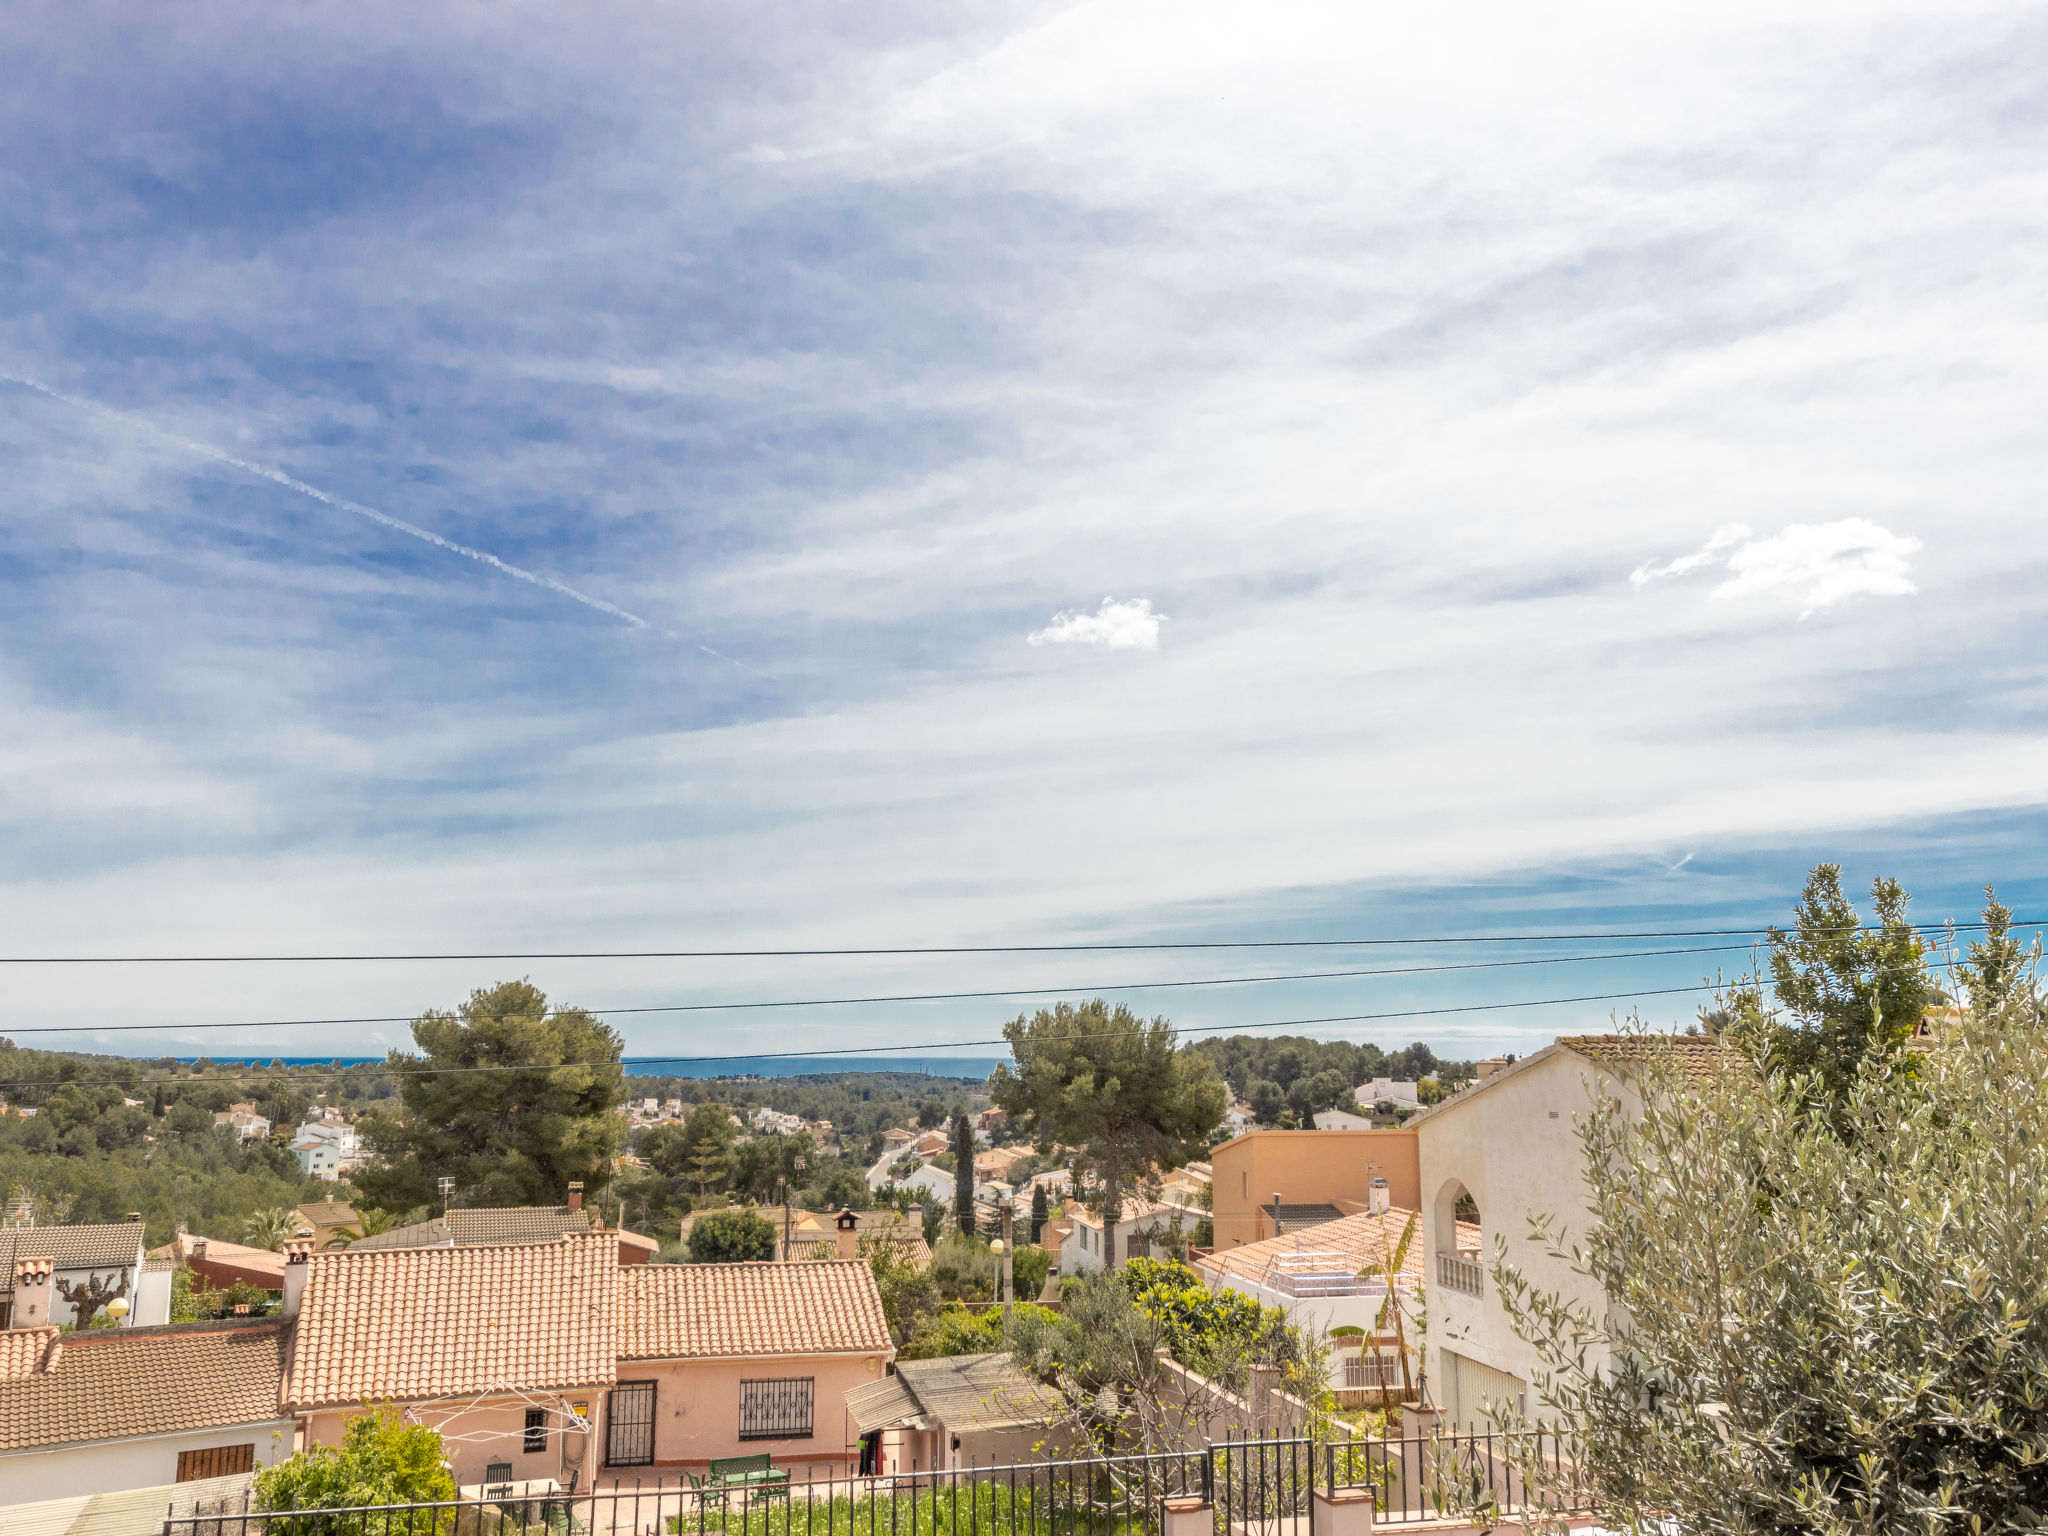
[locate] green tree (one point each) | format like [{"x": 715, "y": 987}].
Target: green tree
[
  {"x": 731, "y": 1237},
  {"x": 381, "y": 1460},
  {"x": 1041, "y": 1211},
  {"x": 1847, "y": 991},
  {"x": 962, "y": 1149},
  {"x": 699, "y": 1151},
  {"x": 1793, "y": 1322},
  {"x": 270, "y": 1229},
  {"x": 509, "y": 1099},
  {"x": 1112, "y": 1085}
]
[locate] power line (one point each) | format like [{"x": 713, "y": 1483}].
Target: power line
[
  {"x": 951, "y": 949},
  {"x": 878, "y": 1050},
  {"x": 930, "y": 997}
]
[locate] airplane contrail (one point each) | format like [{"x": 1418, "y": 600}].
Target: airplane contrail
[{"x": 343, "y": 504}]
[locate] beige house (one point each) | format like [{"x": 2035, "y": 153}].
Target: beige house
[
  {"x": 326, "y": 1218},
  {"x": 551, "y": 1360},
  {"x": 508, "y": 1350},
  {"x": 118, "y": 1408},
  {"x": 1333, "y": 1169},
  {"x": 720, "y": 1360},
  {"x": 1505, "y": 1149}
]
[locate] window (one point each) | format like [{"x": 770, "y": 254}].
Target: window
[
  {"x": 536, "y": 1430},
  {"x": 776, "y": 1410},
  {"x": 1246, "y": 1179},
  {"x": 216, "y": 1461}
]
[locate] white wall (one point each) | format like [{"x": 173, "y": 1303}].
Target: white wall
[
  {"x": 152, "y": 1299},
  {"x": 108, "y": 1466},
  {"x": 1512, "y": 1145}
]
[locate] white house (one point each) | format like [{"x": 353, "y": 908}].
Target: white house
[
  {"x": 89, "y": 1265},
  {"x": 97, "y": 1412},
  {"x": 1388, "y": 1090},
  {"x": 1341, "y": 1120},
  {"x": 244, "y": 1120},
  {"x": 1507, "y": 1147},
  {"x": 1085, "y": 1248},
  {"x": 935, "y": 1184},
  {"x": 327, "y": 1148}
]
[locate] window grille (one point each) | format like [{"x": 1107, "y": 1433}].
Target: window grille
[
  {"x": 536, "y": 1430},
  {"x": 777, "y": 1410}
]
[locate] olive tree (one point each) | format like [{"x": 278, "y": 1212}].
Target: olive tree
[{"x": 1823, "y": 1297}]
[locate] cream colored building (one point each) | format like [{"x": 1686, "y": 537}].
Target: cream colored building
[{"x": 1509, "y": 1143}]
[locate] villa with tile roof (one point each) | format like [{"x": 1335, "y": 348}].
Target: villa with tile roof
[
  {"x": 117, "y": 1408},
  {"x": 550, "y": 1360},
  {"x": 1506, "y": 1148},
  {"x": 103, "y": 1259}
]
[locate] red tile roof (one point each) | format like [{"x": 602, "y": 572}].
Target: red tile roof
[
  {"x": 107, "y": 1384},
  {"x": 28, "y": 1351},
  {"x": 414, "y": 1323},
  {"x": 681, "y": 1311}
]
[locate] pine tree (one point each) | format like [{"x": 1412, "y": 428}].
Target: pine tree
[{"x": 1040, "y": 1211}]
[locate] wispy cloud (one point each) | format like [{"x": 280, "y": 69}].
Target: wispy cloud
[
  {"x": 1127, "y": 626},
  {"x": 1815, "y": 565}
]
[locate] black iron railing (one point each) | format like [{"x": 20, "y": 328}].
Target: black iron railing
[
  {"x": 1257, "y": 1488},
  {"x": 1455, "y": 1474}
]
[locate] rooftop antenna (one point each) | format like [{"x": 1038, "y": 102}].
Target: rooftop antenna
[{"x": 447, "y": 1187}]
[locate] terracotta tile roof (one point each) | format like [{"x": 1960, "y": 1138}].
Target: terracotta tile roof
[
  {"x": 1362, "y": 1239},
  {"x": 514, "y": 1224},
  {"x": 415, "y": 1323},
  {"x": 421, "y": 1234},
  {"x": 1702, "y": 1058},
  {"x": 1135, "y": 1208},
  {"x": 28, "y": 1351},
  {"x": 106, "y": 1246},
  {"x": 909, "y": 1250},
  {"x": 261, "y": 1265},
  {"x": 116, "y": 1382},
  {"x": 490, "y": 1224},
  {"x": 682, "y": 1311}
]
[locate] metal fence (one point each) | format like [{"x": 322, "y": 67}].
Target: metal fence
[
  {"x": 1455, "y": 1474},
  {"x": 1257, "y": 1488}
]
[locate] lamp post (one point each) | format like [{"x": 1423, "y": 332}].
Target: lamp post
[{"x": 1005, "y": 1247}]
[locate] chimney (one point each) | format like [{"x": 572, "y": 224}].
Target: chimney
[
  {"x": 298, "y": 1253},
  {"x": 1378, "y": 1197},
  {"x": 576, "y": 1195},
  {"x": 32, "y": 1293},
  {"x": 914, "y": 1214},
  {"x": 134, "y": 1216},
  {"x": 195, "y": 1249},
  {"x": 847, "y": 1233}
]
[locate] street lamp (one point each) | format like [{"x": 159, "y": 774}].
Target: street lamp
[{"x": 118, "y": 1308}]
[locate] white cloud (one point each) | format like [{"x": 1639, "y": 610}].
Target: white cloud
[
  {"x": 1814, "y": 564},
  {"x": 1127, "y": 626},
  {"x": 1707, "y": 554},
  {"x": 1821, "y": 564}
]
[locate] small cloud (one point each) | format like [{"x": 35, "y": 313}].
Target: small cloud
[
  {"x": 1816, "y": 565},
  {"x": 1706, "y": 554},
  {"x": 1123, "y": 626}
]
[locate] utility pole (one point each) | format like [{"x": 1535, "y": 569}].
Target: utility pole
[{"x": 1009, "y": 1265}]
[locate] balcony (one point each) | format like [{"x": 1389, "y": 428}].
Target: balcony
[{"x": 1461, "y": 1272}]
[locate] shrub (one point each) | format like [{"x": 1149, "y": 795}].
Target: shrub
[
  {"x": 731, "y": 1237},
  {"x": 381, "y": 1460}
]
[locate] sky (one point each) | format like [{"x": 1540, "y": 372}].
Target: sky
[{"x": 506, "y": 479}]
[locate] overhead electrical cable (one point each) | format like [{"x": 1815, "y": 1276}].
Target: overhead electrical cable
[
  {"x": 927, "y": 997},
  {"x": 944, "y": 949},
  {"x": 680, "y": 1058}
]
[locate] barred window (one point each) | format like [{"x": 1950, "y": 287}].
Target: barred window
[
  {"x": 776, "y": 1410},
  {"x": 536, "y": 1430}
]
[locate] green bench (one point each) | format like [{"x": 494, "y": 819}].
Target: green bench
[{"x": 742, "y": 1474}]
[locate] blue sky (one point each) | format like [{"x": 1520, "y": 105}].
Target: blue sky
[{"x": 1038, "y": 473}]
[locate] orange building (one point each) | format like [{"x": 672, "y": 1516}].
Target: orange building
[{"x": 1314, "y": 1175}]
